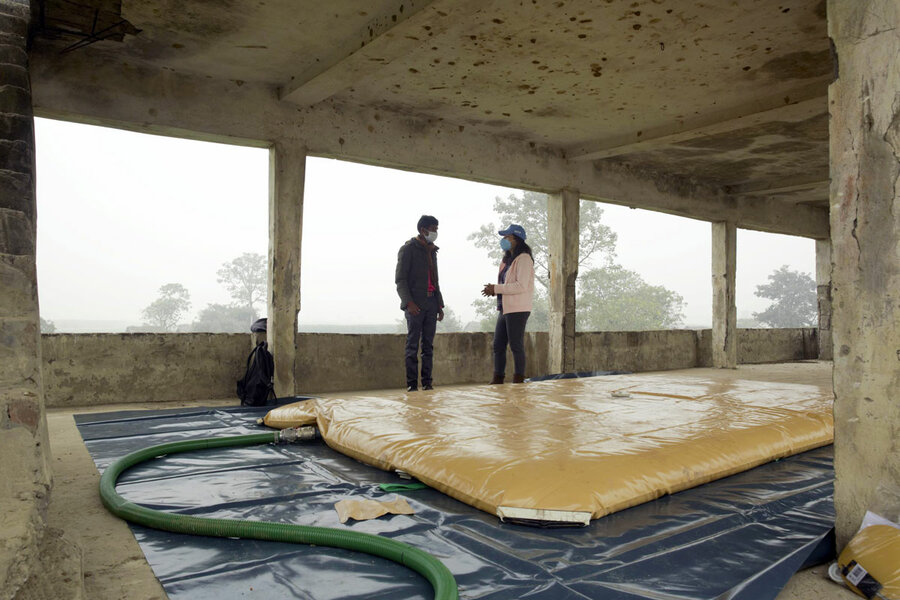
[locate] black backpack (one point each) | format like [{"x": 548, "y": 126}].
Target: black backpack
[{"x": 257, "y": 385}]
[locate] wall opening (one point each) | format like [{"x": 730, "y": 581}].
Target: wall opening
[
  {"x": 126, "y": 220},
  {"x": 655, "y": 275},
  {"x": 775, "y": 281},
  {"x": 356, "y": 218}
]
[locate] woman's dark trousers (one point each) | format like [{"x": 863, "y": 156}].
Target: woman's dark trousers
[{"x": 510, "y": 331}]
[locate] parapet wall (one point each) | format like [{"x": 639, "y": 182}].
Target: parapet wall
[
  {"x": 108, "y": 368},
  {"x": 96, "y": 369}
]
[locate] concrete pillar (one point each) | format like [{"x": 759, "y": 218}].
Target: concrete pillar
[
  {"x": 24, "y": 468},
  {"x": 865, "y": 241},
  {"x": 823, "y": 291},
  {"x": 724, "y": 267},
  {"x": 562, "y": 224},
  {"x": 287, "y": 171}
]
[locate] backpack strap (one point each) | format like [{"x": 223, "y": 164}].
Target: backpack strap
[{"x": 269, "y": 362}]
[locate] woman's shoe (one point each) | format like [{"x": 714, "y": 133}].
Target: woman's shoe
[
  {"x": 518, "y": 378},
  {"x": 497, "y": 378}
]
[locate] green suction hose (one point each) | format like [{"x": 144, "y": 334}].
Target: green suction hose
[{"x": 423, "y": 563}]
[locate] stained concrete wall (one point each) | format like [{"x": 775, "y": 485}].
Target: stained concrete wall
[
  {"x": 776, "y": 345},
  {"x": 25, "y": 476},
  {"x": 93, "y": 369},
  {"x": 333, "y": 362},
  {"x": 765, "y": 345},
  {"x": 865, "y": 243},
  {"x": 637, "y": 350}
]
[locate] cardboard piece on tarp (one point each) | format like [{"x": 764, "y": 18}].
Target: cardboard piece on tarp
[{"x": 363, "y": 509}]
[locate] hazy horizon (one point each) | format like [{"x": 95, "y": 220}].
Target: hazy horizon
[{"x": 119, "y": 326}]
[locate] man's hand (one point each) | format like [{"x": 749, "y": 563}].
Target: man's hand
[
  {"x": 440, "y": 314},
  {"x": 413, "y": 308},
  {"x": 488, "y": 289}
]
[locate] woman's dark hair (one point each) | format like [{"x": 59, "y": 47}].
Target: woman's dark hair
[{"x": 521, "y": 247}]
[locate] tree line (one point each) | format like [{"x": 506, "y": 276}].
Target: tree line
[
  {"x": 245, "y": 280},
  {"x": 609, "y": 297}
]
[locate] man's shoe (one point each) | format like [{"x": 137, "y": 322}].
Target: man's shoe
[
  {"x": 427, "y": 386},
  {"x": 497, "y": 378},
  {"x": 412, "y": 388},
  {"x": 517, "y": 378}
]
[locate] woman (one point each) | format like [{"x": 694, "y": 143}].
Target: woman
[{"x": 515, "y": 293}]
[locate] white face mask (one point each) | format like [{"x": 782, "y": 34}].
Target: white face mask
[{"x": 430, "y": 236}]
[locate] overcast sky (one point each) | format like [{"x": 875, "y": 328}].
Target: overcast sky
[{"x": 121, "y": 214}]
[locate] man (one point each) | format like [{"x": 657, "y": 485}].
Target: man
[{"x": 420, "y": 299}]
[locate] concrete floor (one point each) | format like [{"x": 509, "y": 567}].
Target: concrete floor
[{"x": 115, "y": 568}]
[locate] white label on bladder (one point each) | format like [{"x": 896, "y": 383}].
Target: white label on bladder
[{"x": 856, "y": 574}]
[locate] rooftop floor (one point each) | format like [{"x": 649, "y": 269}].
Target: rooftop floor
[{"x": 114, "y": 566}]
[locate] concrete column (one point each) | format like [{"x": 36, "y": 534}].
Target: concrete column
[
  {"x": 287, "y": 171},
  {"x": 823, "y": 291},
  {"x": 724, "y": 267},
  {"x": 24, "y": 468},
  {"x": 562, "y": 224},
  {"x": 865, "y": 241}
]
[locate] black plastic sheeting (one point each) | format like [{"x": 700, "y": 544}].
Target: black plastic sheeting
[
  {"x": 740, "y": 538},
  {"x": 576, "y": 375}
]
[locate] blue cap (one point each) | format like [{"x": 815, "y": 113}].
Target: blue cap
[{"x": 516, "y": 230}]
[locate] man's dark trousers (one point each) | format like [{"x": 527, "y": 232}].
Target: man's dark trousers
[{"x": 421, "y": 326}]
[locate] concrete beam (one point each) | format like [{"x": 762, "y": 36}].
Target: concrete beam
[
  {"x": 823, "y": 295},
  {"x": 563, "y": 227},
  {"x": 865, "y": 243},
  {"x": 794, "y": 184},
  {"x": 172, "y": 104},
  {"x": 821, "y": 201},
  {"x": 724, "y": 267},
  {"x": 619, "y": 184},
  {"x": 287, "y": 173},
  {"x": 384, "y": 38},
  {"x": 798, "y": 105},
  {"x": 389, "y": 36}
]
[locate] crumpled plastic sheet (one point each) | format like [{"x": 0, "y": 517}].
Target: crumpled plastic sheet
[
  {"x": 575, "y": 375},
  {"x": 740, "y": 538}
]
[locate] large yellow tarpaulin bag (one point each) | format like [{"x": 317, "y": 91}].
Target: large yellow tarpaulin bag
[{"x": 575, "y": 449}]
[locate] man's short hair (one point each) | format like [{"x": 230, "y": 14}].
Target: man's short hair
[{"x": 426, "y": 221}]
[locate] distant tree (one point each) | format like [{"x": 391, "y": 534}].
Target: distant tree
[
  {"x": 598, "y": 241},
  {"x": 164, "y": 312},
  {"x": 451, "y": 322},
  {"x": 748, "y": 323},
  {"x": 794, "y": 296},
  {"x": 219, "y": 318},
  {"x": 47, "y": 326},
  {"x": 245, "y": 279},
  {"x": 609, "y": 297},
  {"x": 400, "y": 325},
  {"x": 615, "y": 299}
]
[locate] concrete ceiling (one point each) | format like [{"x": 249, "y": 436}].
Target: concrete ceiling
[{"x": 727, "y": 95}]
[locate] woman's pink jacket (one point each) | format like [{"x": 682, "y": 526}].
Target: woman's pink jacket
[{"x": 518, "y": 291}]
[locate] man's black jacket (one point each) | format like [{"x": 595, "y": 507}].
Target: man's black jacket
[{"x": 412, "y": 273}]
